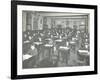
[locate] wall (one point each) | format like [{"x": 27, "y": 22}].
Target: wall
[
  {"x": 5, "y": 41},
  {"x": 32, "y": 20}
]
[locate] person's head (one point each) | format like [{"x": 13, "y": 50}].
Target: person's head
[
  {"x": 40, "y": 39},
  {"x": 28, "y": 33},
  {"x": 74, "y": 26},
  {"x": 30, "y": 37},
  {"x": 86, "y": 46},
  {"x": 32, "y": 46},
  {"x": 25, "y": 35}
]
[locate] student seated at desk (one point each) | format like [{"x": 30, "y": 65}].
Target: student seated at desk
[
  {"x": 33, "y": 50},
  {"x": 30, "y": 37},
  {"x": 31, "y": 61},
  {"x": 25, "y": 37}
]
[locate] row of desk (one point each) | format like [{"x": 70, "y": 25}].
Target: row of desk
[
  {"x": 63, "y": 51},
  {"x": 57, "y": 47}
]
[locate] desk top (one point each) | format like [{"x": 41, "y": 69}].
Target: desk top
[
  {"x": 59, "y": 40},
  {"x": 83, "y": 52},
  {"x": 48, "y": 45},
  {"x": 26, "y": 56},
  {"x": 48, "y": 39},
  {"x": 72, "y": 42},
  {"x": 37, "y": 43},
  {"x": 75, "y": 38},
  {"x": 26, "y": 41},
  {"x": 63, "y": 47}
]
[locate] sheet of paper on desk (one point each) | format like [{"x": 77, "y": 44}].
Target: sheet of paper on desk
[
  {"x": 26, "y": 56},
  {"x": 61, "y": 47},
  {"x": 48, "y": 45},
  {"x": 84, "y": 52},
  {"x": 26, "y": 41}
]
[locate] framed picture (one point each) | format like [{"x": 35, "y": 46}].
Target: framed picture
[{"x": 53, "y": 39}]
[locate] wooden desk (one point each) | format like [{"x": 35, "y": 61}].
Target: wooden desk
[
  {"x": 83, "y": 55},
  {"x": 48, "y": 39},
  {"x": 73, "y": 46},
  {"x": 48, "y": 45},
  {"x": 49, "y": 48},
  {"x": 64, "y": 53},
  {"x": 59, "y": 40},
  {"x": 26, "y": 41},
  {"x": 38, "y": 43},
  {"x": 26, "y": 56},
  {"x": 84, "y": 52},
  {"x": 38, "y": 46}
]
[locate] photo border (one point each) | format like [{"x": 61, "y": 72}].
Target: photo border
[{"x": 14, "y": 4}]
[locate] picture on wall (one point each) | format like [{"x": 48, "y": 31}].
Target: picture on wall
[{"x": 53, "y": 39}]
